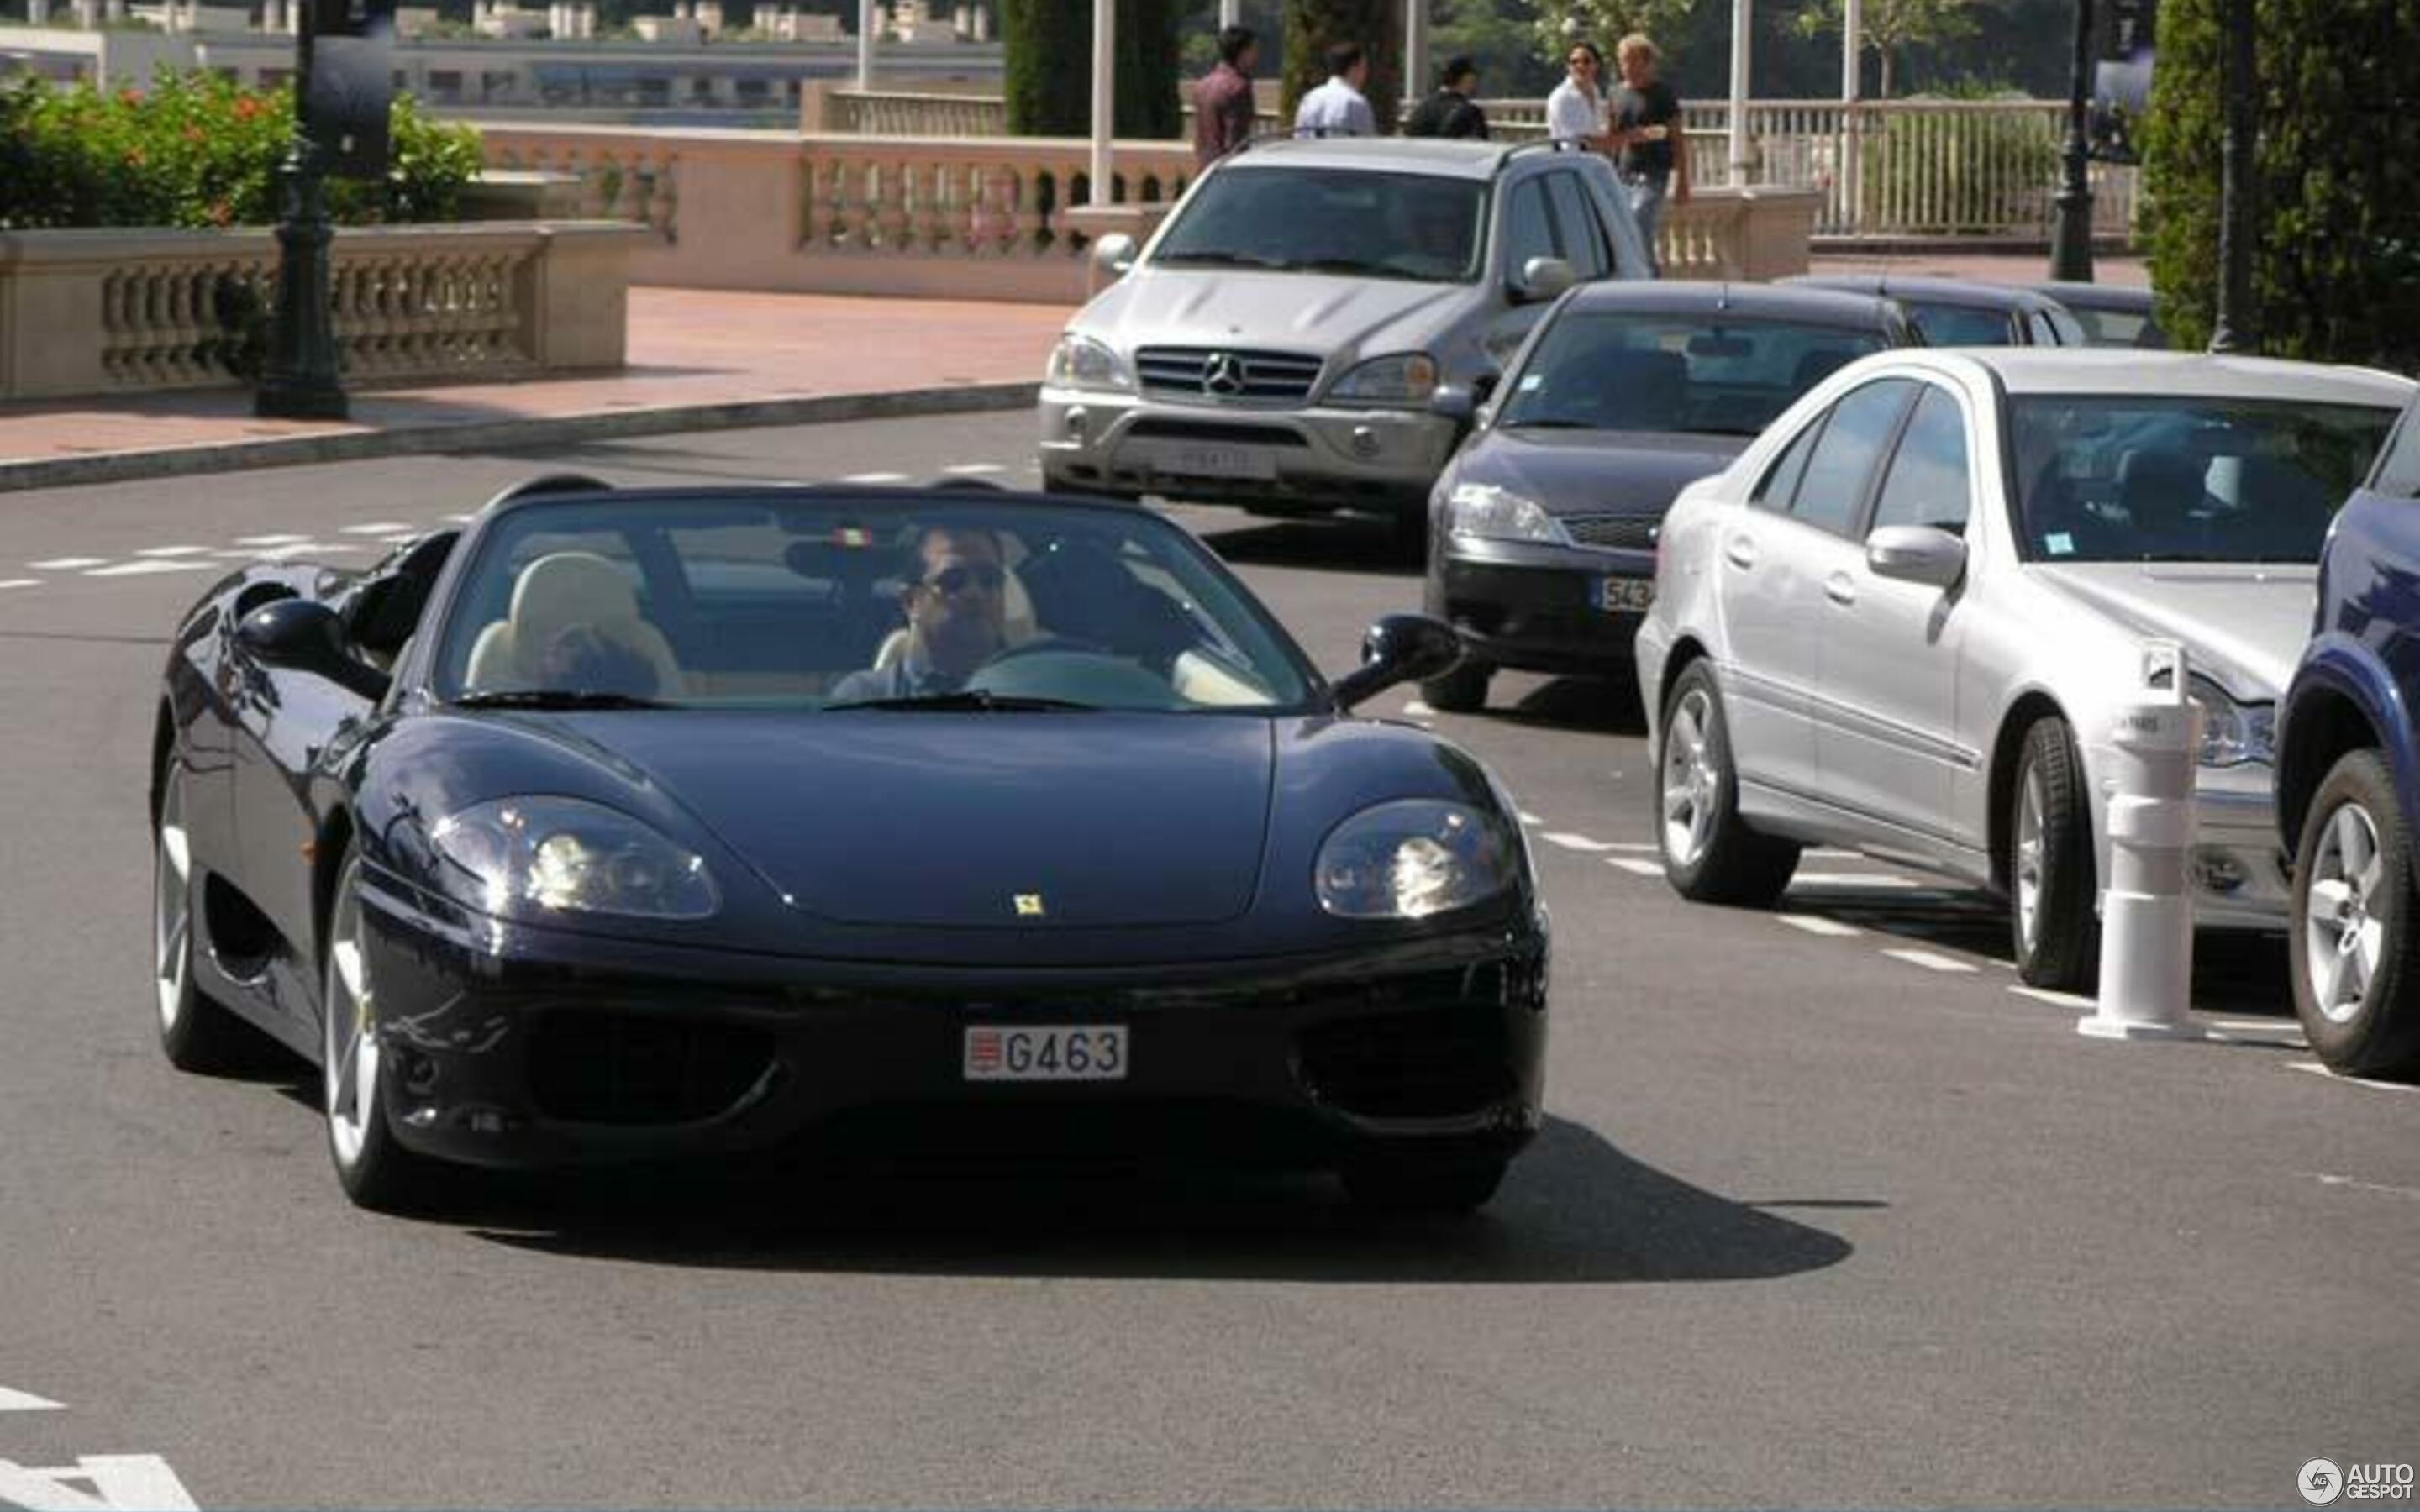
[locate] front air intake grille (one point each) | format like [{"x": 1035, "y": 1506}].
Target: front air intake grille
[
  {"x": 1429, "y": 1062},
  {"x": 1615, "y": 532},
  {"x": 1215, "y": 373},
  {"x": 589, "y": 1067}
]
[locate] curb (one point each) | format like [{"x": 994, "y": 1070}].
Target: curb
[{"x": 509, "y": 435}]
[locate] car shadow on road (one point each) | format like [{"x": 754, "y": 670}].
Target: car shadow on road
[
  {"x": 1355, "y": 545},
  {"x": 1606, "y": 705},
  {"x": 1575, "y": 1210}
]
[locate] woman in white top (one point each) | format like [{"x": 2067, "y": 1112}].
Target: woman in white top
[{"x": 1576, "y": 111}]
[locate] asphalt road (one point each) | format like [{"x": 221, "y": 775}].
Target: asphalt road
[{"x": 1815, "y": 1223}]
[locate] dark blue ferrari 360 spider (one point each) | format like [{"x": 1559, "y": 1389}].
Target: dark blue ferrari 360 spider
[{"x": 668, "y": 822}]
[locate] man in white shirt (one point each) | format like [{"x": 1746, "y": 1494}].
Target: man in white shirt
[
  {"x": 1337, "y": 108},
  {"x": 1576, "y": 110}
]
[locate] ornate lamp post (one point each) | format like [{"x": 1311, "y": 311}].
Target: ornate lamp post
[
  {"x": 299, "y": 379},
  {"x": 2071, "y": 253}
]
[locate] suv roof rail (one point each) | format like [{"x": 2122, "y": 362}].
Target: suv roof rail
[{"x": 1543, "y": 143}]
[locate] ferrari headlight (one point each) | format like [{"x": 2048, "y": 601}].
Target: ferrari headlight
[
  {"x": 1407, "y": 378},
  {"x": 1483, "y": 509},
  {"x": 1414, "y": 857},
  {"x": 1082, "y": 362},
  {"x": 2232, "y": 734},
  {"x": 539, "y": 857}
]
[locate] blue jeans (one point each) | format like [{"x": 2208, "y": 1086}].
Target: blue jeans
[{"x": 1647, "y": 208}]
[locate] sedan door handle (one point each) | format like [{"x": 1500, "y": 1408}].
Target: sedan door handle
[
  {"x": 1741, "y": 550},
  {"x": 1840, "y": 589}
]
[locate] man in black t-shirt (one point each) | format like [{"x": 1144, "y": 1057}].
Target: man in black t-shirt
[
  {"x": 1655, "y": 160},
  {"x": 1452, "y": 110}
]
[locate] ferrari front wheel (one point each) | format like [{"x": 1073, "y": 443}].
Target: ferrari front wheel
[{"x": 375, "y": 1170}]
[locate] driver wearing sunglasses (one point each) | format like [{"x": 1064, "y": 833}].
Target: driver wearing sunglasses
[{"x": 955, "y": 619}]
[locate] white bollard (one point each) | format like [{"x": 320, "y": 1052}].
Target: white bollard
[{"x": 2146, "y": 909}]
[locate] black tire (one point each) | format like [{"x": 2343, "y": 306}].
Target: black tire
[
  {"x": 1423, "y": 1186},
  {"x": 197, "y": 1033},
  {"x": 1462, "y": 690},
  {"x": 2371, "y": 1028},
  {"x": 2059, "y": 949},
  {"x": 375, "y": 1170},
  {"x": 1720, "y": 859}
]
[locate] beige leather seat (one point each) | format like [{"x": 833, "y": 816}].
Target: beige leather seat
[{"x": 558, "y": 592}]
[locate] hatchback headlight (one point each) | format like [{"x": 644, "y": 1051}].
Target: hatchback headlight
[
  {"x": 2232, "y": 734},
  {"x": 1483, "y": 509},
  {"x": 541, "y": 857},
  {"x": 1407, "y": 378},
  {"x": 1414, "y": 857},
  {"x": 1082, "y": 362}
]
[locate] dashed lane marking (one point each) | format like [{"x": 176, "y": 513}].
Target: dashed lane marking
[
  {"x": 875, "y": 477},
  {"x": 173, "y": 551},
  {"x": 95, "y": 1483},
  {"x": 1419, "y": 710},
  {"x": 378, "y": 527},
  {"x": 1574, "y": 843},
  {"x": 25, "y": 1401},
  {"x": 2256, "y": 1025},
  {"x": 1634, "y": 866},
  {"x": 66, "y": 564},
  {"x": 2043, "y": 995},
  {"x": 1931, "y": 961},
  {"x": 1634, "y": 846},
  {"x": 1529, "y": 818},
  {"x": 2358, "y": 1185},
  {"x": 138, "y": 569},
  {"x": 1817, "y": 924},
  {"x": 1849, "y": 879},
  {"x": 21, "y": 582},
  {"x": 270, "y": 540},
  {"x": 972, "y": 469},
  {"x": 2315, "y": 1068}
]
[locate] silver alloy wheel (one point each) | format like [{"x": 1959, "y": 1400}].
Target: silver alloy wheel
[
  {"x": 2345, "y": 940},
  {"x": 2028, "y": 859},
  {"x": 172, "y": 904},
  {"x": 350, "y": 1051},
  {"x": 1693, "y": 779}
]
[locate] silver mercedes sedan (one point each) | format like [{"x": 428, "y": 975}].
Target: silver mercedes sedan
[{"x": 1900, "y": 619}]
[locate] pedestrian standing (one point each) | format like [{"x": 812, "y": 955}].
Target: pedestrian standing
[
  {"x": 1452, "y": 110},
  {"x": 1576, "y": 111},
  {"x": 1223, "y": 112},
  {"x": 1338, "y": 107},
  {"x": 1655, "y": 160}
]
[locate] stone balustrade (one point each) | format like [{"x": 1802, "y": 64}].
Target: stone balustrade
[{"x": 114, "y": 311}]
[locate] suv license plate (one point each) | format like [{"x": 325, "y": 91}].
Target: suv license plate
[
  {"x": 1193, "y": 460},
  {"x": 1624, "y": 594},
  {"x": 1046, "y": 1053}
]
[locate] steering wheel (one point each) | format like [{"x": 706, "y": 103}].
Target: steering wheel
[{"x": 1043, "y": 646}]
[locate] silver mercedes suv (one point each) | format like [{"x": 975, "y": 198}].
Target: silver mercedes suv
[{"x": 1282, "y": 341}]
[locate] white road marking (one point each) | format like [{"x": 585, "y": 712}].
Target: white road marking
[
  {"x": 1574, "y": 843},
  {"x": 138, "y": 569},
  {"x": 269, "y": 540},
  {"x": 2358, "y": 1185},
  {"x": 1827, "y": 854},
  {"x": 1850, "y": 879},
  {"x": 459, "y": 520},
  {"x": 875, "y": 477},
  {"x": 25, "y": 1401},
  {"x": 1529, "y": 818},
  {"x": 95, "y": 1483},
  {"x": 66, "y": 564},
  {"x": 2258, "y": 1026},
  {"x": 21, "y": 582},
  {"x": 1648, "y": 847},
  {"x": 1419, "y": 710},
  {"x": 378, "y": 527},
  {"x": 1634, "y": 866},
  {"x": 2043, "y": 995},
  {"x": 2315, "y": 1067},
  {"x": 1930, "y": 960},
  {"x": 399, "y": 538},
  {"x": 972, "y": 469},
  {"x": 1817, "y": 924},
  {"x": 173, "y": 551}
]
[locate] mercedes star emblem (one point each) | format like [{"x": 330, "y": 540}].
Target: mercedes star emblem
[{"x": 1223, "y": 374}]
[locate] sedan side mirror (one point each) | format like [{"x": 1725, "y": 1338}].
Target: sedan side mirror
[
  {"x": 1543, "y": 279},
  {"x": 1114, "y": 253},
  {"x": 1400, "y": 648},
  {"x": 1456, "y": 404},
  {"x": 1917, "y": 554},
  {"x": 305, "y": 636}
]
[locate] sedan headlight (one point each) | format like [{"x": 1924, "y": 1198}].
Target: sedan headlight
[
  {"x": 1483, "y": 509},
  {"x": 1081, "y": 363},
  {"x": 2232, "y": 734},
  {"x": 539, "y": 857},
  {"x": 1410, "y": 378},
  {"x": 1414, "y": 857}
]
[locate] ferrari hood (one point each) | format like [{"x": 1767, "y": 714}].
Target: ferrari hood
[{"x": 948, "y": 820}]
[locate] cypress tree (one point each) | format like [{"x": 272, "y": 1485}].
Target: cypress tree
[{"x": 1048, "y": 48}]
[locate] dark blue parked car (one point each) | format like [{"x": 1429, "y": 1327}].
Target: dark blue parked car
[{"x": 2349, "y": 780}]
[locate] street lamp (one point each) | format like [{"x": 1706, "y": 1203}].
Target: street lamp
[
  {"x": 2071, "y": 253},
  {"x": 2231, "y": 331},
  {"x": 299, "y": 379}
]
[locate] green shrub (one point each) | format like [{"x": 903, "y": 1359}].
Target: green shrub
[
  {"x": 196, "y": 151},
  {"x": 2335, "y": 266}
]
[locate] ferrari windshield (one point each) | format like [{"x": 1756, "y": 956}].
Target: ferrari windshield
[
  {"x": 895, "y": 606},
  {"x": 2169, "y": 478}
]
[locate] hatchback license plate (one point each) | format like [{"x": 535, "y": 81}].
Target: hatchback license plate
[
  {"x": 1046, "y": 1053},
  {"x": 1616, "y": 594}
]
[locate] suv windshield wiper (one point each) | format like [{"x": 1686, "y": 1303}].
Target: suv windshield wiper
[
  {"x": 1211, "y": 257},
  {"x": 974, "y": 699},
  {"x": 1549, "y": 423},
  {"x": 556, "y": 698}
]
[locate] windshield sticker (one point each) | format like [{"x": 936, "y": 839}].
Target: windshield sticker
[{"x": 2060, "y": 544}]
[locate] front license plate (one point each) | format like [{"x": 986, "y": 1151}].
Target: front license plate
[
  {"x": 1616, "y": 594},
  {"x": 1046, "y": 1053},
  {"x": 1196, "y": 461}
]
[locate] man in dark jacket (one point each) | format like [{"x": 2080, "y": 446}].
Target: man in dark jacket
[
  {"x": 1452, "y": 112},
  {"x": 1222, "y": 102}
]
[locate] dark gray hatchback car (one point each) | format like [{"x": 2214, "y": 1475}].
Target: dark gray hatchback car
[
  {"x": 1543, "y": 527},
  {"x": 1952, "y": 312}
]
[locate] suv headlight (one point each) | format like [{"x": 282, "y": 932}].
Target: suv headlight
[
  {"x": 1483, "y": 509},
  {"x": 1414, "y": 857},
  {"x": 1082, "y": 362},
  {"x": 2232, "y": 734},
  {"x": 541, "y": 857},
  {"x": 1408, "y": 378}
]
